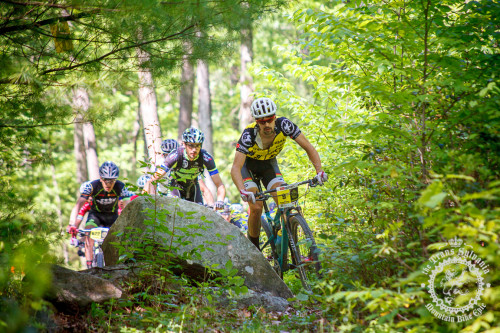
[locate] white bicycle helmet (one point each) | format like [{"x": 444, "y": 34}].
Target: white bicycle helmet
[
  {"x": 263, "y": 107},
  {"x": 109, "y": 170},
  {"x": 141, "y": 182},
  {"x": 193, "y": 135},
  {"x": 86, "y": 188},
  {"x": 168, "y": 145}
]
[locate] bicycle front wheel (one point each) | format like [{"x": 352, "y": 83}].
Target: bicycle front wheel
[
  {"x": 306, "y": 258},
  {"x": 99, "y": 259}
]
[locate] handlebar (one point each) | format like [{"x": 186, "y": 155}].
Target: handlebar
[
  {"x": 264, "y": 195},
  {"x": 89, "y": 230}
]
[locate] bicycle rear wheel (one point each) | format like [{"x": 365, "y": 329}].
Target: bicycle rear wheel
[{"x": 306, "y": 256}]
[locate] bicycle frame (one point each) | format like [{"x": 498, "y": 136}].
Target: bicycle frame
[
  {"x": 97, "y": 235},
  {"x": 280, "y": 222}
]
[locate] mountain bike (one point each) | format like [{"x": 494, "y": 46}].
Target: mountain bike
[
  {"x": 98, "y": 235},
  {"x": 289, "y": 220}
]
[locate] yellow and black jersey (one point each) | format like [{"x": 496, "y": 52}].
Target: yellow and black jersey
[{"x": 250, "y": 142}]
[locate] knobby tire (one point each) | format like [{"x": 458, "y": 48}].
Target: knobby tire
[
  {"x": 306, "y": 256},
  {"x": 99, "y": 259}
]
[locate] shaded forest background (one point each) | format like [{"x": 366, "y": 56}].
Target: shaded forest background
[{"x": 400, "y": 98}]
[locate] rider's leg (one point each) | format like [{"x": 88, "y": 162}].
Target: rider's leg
[
  {"x": 89, "y": 242},
  {"x": 174, "y": 192},
  {"x": 253, "y": 231},
  {"x": 273, "y": 178}
]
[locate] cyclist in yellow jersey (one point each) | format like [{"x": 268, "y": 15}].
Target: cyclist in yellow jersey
[{"x": 256, "y": 151}]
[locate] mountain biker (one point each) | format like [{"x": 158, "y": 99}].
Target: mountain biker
[
  {"x": 141, "y": 182},
  {"x": 256, "y": 151},
  {"x": 103, "y": 195},
  {"x": 167, "y": 146},
  {"x": 184, "y": 166},
  {"x": 238, "y": 217}
]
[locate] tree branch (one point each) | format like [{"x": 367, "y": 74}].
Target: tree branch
[
  {"x": 42, "y": 125},
  {"x": 35, "y": 3},
  {"x": 33, "y": 25},
  {"x": 116, "y": 51}
]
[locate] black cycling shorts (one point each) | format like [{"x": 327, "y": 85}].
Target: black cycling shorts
[
  {"x": 268, "y": 170},
  {"x": 97, "y": 219},
  {"x": 189, "y": 191}
]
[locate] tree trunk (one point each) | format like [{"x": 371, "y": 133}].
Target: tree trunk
[
  {"x": 81, "y": 103},
  {"x": 91, "y": 150},
  {"x": 246, "y": 82},
  {"x": 186, "y": 96},
  {"x": 79, "y": 149},
  {"x": 148, "y": 108},
  {"x": 205, "y": 105},
  {"x": 205, "y": 115},
  {"x": 135, "y": 136}
]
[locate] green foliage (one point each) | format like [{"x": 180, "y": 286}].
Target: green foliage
[
  {"x": 401, "y": 100},
  {"x": 396, "y": 94}
]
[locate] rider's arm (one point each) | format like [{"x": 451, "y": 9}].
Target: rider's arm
[
  {"x": 205, "y": 192},
  {"x": 79, "y": 203},
  {"x": 221, "y": 190},
  {"x": 239, "y": 161},
  {"x": 149, "y": 188},
  {"x": 312, "y": 153},
  {"x": 85, "y": 208}
]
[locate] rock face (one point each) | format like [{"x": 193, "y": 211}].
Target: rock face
[
  {"x": 73, "y": 291},
  {"x": 265, "y": 300},
  {"x": 190, "y": 227}
]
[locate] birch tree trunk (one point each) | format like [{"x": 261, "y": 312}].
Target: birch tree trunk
[
  {"x": 135, "y": 135},
  {"x": 79, "y": 150},
  {"x": 186, "y": 95},
  {"x": 205, "y": 115},
  {"x": 91, "y": 150},
  {"x": 246, "y": 81},
  {"x": 81, "y": 103},
  {"x": 148, "y": 108}
]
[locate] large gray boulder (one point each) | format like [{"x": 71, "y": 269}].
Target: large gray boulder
[
  {"x": 196, "y": 228},
  {"x": 73, "y": 292}
]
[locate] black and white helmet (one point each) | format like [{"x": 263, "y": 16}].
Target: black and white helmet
[
  {"x": 109, "y": 170},
  {"x": 168, "y": 145},
  {"x": 263, "y": 107},
  {"x": 193, "y": 135},
  {"x": 86, "y": 188}
]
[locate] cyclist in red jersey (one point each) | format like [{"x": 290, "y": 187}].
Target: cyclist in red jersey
[{"x": 103, "y": 195}]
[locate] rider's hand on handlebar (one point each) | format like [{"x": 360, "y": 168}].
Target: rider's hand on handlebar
[
  {"x": 72, "y": 230},
  {"x": 321, "y": 177},
  {"x": 247, "y": 196}
]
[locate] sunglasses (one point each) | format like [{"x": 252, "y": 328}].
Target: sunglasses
[
  {"x": 108, "y": 180},
  {"x": 193, "y": 145},
  {"x": 265, "y": 121}
]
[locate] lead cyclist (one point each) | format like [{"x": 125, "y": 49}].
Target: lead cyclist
[{"x": 256, "y": 152}]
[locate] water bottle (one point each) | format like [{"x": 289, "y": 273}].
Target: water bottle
[{"x": 278, "y": 243}]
